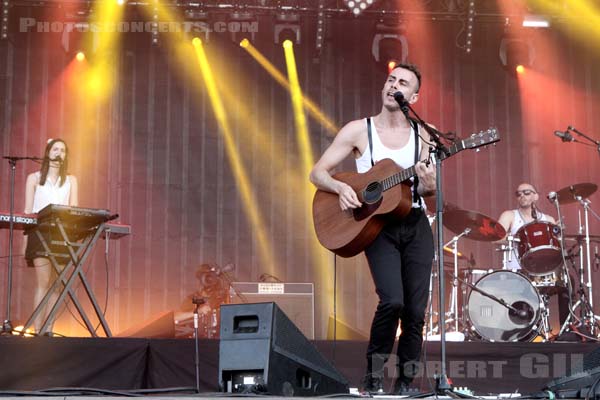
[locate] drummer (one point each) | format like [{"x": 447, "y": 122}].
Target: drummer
[{"x": 526, "y": 212}]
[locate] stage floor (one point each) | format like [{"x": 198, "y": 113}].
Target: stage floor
[{"x": 124, "y": 364}]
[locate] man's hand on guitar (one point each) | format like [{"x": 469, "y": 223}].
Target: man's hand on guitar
[
  {"x": 426, "y": 173},
  {"x": 348, "y": 198}
]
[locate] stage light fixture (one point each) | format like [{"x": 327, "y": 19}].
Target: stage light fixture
[
  {"x": 154, "y": 25},
  {"x": 4, "y": 21},
  {"x": 520, "y": 69},
  {"x": 242, "y": 24},
  {"x": 358, "y": 6},
  {"x": 289, "y": 32},
  {"x": 72, "y": 39},
  {"x": 535, "y": 21},
  {"x": 515, "y": 52},
  {"x": 320, "y": 27},
  {"x": 80, "y": 56},
  {"x": 389, "y": 49}
]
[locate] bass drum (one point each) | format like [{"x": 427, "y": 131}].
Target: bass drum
[{"x": 494, "y": 322}]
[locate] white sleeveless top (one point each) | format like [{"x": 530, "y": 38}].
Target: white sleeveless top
[
  {"x": 517, "y": 223},
  {"x": 51, "y": 193},
  {"x": 403, "y": 157}
]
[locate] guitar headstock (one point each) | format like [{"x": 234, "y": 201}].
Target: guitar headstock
[{"x": 482, "y": 138}]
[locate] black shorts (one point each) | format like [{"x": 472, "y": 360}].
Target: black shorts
[{"x": 35, "y": 249}]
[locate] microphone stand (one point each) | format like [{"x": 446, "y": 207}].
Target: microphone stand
[
  {"x": 7, "y": 327},
  {"x": 443, "y": 385},
  {"x": 595, "y": 142}
]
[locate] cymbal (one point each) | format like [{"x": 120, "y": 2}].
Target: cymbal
[
  {"x": 431, "y": 204},
  {"x": 483, "y": 228},
  {"x": 580, "y": 237},
  {"x": 568, "y": 194}
]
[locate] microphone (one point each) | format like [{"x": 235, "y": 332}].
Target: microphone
[
  {"x": 402, "y": 102},
  {"x": 533, "y": 212},
  {"x": 399, "y": 97},
  {"x": 564, "y": 136},
  {"x": 552, "y": 196}
]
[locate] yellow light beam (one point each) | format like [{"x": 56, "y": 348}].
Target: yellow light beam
[
  {"x": 248, "y": 196},
  {"x": 313, "y": 110},
  {"x": 100, "y": 80},
  {"x": 321, "y": 261},
  {"x": 297, "y": 105},
  {"x": 588, "y": 16}
]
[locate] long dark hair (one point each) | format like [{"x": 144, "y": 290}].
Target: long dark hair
[{"x": 46, "y": 163}]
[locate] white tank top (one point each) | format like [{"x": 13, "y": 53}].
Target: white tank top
[
  {"x": 51, "y": 193},
  {"x": 517, "y": 223},
  {"x": 403, "y": 157}
]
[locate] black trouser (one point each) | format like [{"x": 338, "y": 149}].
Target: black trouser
[{"x": 400, "y": 260}]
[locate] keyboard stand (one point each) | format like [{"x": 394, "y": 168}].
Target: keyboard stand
[{"x": 78, "y": 252}]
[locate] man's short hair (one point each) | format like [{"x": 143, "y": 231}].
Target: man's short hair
[{"x": 414, "y": 69}]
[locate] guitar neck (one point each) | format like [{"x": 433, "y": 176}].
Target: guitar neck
[{"x": 408, "y": 173}]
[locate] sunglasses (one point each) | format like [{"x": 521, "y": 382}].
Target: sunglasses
[{"x": 526, "y": 192}]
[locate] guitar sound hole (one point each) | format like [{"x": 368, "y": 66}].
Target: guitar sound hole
[{"x": 372, "y": 193}]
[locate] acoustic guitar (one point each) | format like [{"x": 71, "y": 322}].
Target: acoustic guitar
[{"x": 384, "y": 191}]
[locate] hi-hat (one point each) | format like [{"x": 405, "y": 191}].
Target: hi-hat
[
  {"x": 483, "y": 228},
  {"x": 570, "y": 193}
]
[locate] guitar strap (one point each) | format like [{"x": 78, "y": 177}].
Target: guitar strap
[
  {"x": 370, "y": 135},
  {"x": 416, "y": 197},
  {"x": 415, "y": 127}
]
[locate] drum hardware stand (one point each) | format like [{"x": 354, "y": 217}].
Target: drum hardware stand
[
  {"x": 508, "y": 249},
  {"x": 584, "y": 300},
  {"x": 453, "y": 309},
  {"x": 197, "y": 301},
  {"x": 7, "y": 327},
  {"x": 431, "y": 330},
  {"x": 545, "y": 329}
]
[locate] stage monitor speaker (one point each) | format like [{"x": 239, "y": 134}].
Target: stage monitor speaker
[
  {"x": 295, "y": 299},
  {"x": 262, "y": 351},
  {"x": 581, "y": 381}
]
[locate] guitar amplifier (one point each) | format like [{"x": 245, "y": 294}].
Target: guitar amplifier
[{"x": 297, "y": 300}]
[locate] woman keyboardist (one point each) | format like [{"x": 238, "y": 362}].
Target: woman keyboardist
[{"x": 50, "y": 185}]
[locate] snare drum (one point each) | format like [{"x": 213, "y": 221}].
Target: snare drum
[
  {"x": 494, "y": 322},
  {"x": 539, "y": 248}
]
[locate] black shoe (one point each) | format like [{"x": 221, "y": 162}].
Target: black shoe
[
  {"x": 372, "y": 384},
  {"x": 402, "y": 388}
]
